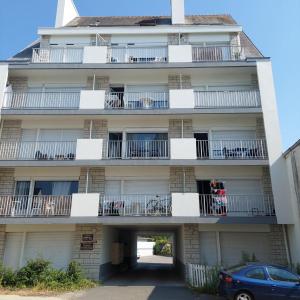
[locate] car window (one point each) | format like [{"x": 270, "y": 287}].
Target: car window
[
  {"x": 282, "y": 275},
  {"x": 257, "y": 273}
]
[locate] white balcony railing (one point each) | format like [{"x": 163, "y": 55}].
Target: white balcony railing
[
  {"x": 217, "y": 53},
  {"x": 237, "y": 205},
  {"x": 57, "y": 55},
  {"x": 40, "y": 150},
  {"x": 138, "y": 149},
  {"x": 135, "y": 205},
  {"x": 227, "y": 99},
  {"x": 138, "y": 54},
  {"x": 232, "y": 149},
  {"x": 36, "y": 206},
  {"x": 137, "y": 100},
  {"x": 41, "y": 100}
]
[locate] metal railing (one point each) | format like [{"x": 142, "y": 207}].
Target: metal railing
[
  {"x": 57, "y": 55},
  {"x": 231, "y": 149},
  {"x": 135, "y": 205},
  {"x": 138, "y": 149},
  {"x": 138, "y": 54},
  {"x": 41, "y": 100},
  {"x": 36, "y": 206},
  {"x": 38, "y": 150},
  {"x": 227, "y": 99},
  {"x": 137, "y": 100},
  {"x": 217, "y": 53},
  {"x": 237, "y": 205}
]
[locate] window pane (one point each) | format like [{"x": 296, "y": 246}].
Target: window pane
[
  {"x": 147, "y": 136},
  {"x": 22, "y": 188},
  {"x": 257, "y": 273},
  {"x": 282, "y": 275},
  {"x": 63, "y": 188}
]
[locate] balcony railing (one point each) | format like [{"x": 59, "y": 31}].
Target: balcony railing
[
  {"x": 41, "y": 100},
  {"x": 36, "y": 206},
  {"x": 232, "y": 149},
  {"x": 138, "y": 54},
  {"x": 217, "y": 53},
  {"x": 137, "y": 100},
  {"x": 138, "y": 149},
  {"x": 39, "y": 150},
  {"x": 237, "y": 205},
  {"x": 135, "y": 205},
  {"x": 57, "y": 55},
  {"x": 227, "y": 99}
]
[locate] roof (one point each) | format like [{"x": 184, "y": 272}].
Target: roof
[
  {"x": 149, "y": 21},
  {"x": 293, "y": 147}
]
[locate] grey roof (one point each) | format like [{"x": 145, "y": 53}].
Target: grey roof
[
  {"x": 293, "y": 147},
  {"x": 149, "y": 21}
]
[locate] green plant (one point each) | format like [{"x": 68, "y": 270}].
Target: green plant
[
  {"x": 212, "y": 280},
  {"x": 74, "y": 271},
  {"x": 247, "y": 258},
  {"x": 8, "y": 277}
]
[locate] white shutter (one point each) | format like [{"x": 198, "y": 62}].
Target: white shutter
[
  {"x": 146, "y": 88},
  {"x": 53, "y": 246},
  {"x": 12, "y": 251},
  {"x": 223, "y": 135},
  {"x": 234, "y": 243},
  {"x": 243, "y": 186},
  {"x": 28, "y": 135},
  {"x": 208, "y": 248},
  {"x": 113, "y": 187},
  {"x": 143, "y": 187}
]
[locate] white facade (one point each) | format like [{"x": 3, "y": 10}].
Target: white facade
[{"x": 118, "y": 129}]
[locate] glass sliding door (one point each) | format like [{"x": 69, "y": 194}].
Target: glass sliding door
[{"x": 20, "y": 201}]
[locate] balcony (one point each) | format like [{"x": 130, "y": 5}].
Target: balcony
[
  {"x": 227, "y": 99},
  {"x": 37, "y": 150},
  {"x": 41, "y": 100},
  {"x": 232, "y": 149},
  {"x": 135, "y": 205},
  {"x": 58, "y": 55},
  {"x": 237, "y": 205},
  {"x": 36, "y": 206},
  {"x": 217, "y": 53},
  {"x": 138, "y": 54},
  {"x": 138, "y": 149},
  {"x": 137, "y": 100}
]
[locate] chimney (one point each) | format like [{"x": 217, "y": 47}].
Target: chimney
[
  {"x": 178, "y": 16},
  {"x": 66, "y": 12}
]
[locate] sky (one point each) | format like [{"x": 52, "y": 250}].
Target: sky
[{"x": 273, "y": 25}]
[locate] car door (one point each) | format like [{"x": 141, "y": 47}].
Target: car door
[
  {"x": 285, "y": 285},
  {"x": 255, "y": 280}
]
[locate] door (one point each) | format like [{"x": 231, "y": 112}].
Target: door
[
  {"x": 116, "y": 97},
  {"x": 21, "y": 199},
  {"x": 115, "y": 145},
  {"x": 204, "y": 191},
  {"x": 285, "y": 285},
  {"x": 202, "y": 145}
]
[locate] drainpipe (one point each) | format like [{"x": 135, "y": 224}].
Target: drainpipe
[
  {"x": 87, "y": 180},
  {"x": 94, "y": 82},
  {"x": 182, "y": 122},
  {"x": 180, "y": 81},
  {"x": 91, "y": 129},
  {"x": 183, "y": 178}
]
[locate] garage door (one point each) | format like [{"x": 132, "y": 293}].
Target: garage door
[
  {"x": 53, "y": 246},
  {"x": 208, "y": 248},
  {"x": 234, "y": 243}
]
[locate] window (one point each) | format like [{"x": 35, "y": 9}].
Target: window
[
  {"x": 282, "y": 275},
  {"x": 61, "y": 188},
  {"x": 257, "y": 273}
]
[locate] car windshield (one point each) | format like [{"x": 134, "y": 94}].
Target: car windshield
[
  {"x": 235, "y": 269},
  {"x": 282, "y": 275}
]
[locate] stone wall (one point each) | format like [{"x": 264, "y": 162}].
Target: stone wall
[
  {"x": 101, "y": 83},
  {"x": 278, "y": 249},
  {"x": 89, "y": 260},
  {"x": 11, "y": 130},
  {"x": 2, "y": 241},
  {"x": 176, "y": 81},
  {"x": 175, "y": 129},
  {"x": 191, "y": 240},
  {"x": 7, "y": 181},
  {"x": 96, "y": 182},
  {"x": 177, "y": 179},
  {"x": 260, "y": 128}
]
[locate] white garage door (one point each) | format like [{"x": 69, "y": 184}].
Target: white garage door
[
  {"x": 53, "y": 246},
  {"x": 234, "y": 243},
  {"x": 208, "y": 248}
]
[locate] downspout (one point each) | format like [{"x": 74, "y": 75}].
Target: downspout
[
  {"x": 286, "y": 244},
  {"x": 183, "y": 178},
  {"x": 87, "y": 180}
]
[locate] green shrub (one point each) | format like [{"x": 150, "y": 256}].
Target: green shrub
[
  {"x": 74, "y": 271},
  {"x": 247, "y": 258},
  {"x": 8, "y": 277}
]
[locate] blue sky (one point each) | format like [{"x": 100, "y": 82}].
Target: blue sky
[{"x": 273, "y": 25}]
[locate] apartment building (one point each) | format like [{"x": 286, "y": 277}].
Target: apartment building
[{"x": 113, "y": 127}]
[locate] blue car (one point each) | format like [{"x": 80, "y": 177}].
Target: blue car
[{"x": 259, "y": 282}]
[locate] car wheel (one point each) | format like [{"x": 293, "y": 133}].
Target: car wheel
[{"x": 243, "y": 296}]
